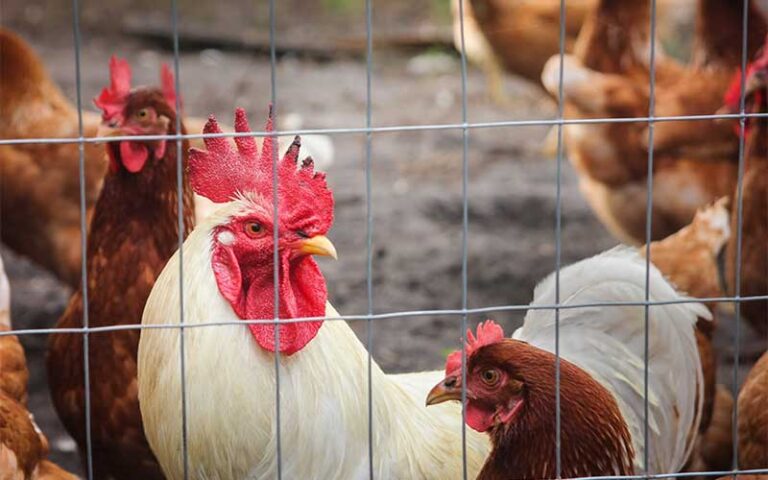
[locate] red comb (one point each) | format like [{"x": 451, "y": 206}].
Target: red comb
[
  {"x": 220, "y": 172},
  {"x": 168, "y": 85},
  {"x": 732, "y": 96},
  {"x": 488, "y": 332},
  {"x": 112, "y": 99}
]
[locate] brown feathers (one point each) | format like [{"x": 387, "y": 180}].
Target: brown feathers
[
  {"x": 595, "y": 438},
  {"x": 133, "y": 233}
]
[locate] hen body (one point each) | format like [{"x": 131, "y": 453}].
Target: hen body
[
  {"x": 133, "y": 233},
  {"x": 608, "y": 75},
  {"x": 40, "y": 194},
  {"x": 23, "y": 447},
  {"x": 753, "y": 417}
]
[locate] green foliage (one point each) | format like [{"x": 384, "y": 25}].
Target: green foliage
[{"x": 344, "y": 6}]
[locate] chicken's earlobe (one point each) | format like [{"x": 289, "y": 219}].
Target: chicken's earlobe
[{"x": 227, "y": 272}]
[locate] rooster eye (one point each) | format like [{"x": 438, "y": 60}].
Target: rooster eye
[
  {"x": 253, "y": 229},
  {"x": 142, "y": 113},
  {"x": 490, "y": 376}
]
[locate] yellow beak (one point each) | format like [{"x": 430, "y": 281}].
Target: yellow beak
[
  {"x": 317, "y": 245},
  {"x": 448, "y": 389}
]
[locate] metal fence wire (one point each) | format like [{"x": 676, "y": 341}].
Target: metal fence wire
[{"x": 369, "y": 130}]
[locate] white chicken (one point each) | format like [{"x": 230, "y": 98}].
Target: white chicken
[
  {"x": 230, "y": 370},
  {"x": 608, "y": 343}
]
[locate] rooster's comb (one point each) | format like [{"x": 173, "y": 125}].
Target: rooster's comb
[
  {"x": 488, "y": 332},
  {"x": 112, "y": 99},
  {"x": 220, "y": 173}
]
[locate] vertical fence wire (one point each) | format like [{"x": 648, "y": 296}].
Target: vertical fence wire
[
  {"x": 180, "y": 226},
  {"x": 369, "y": 218},
  {"x": 649, "y": 230},
  {"x": 83, "y": 241},
  {"x": 275, "y": 237},
  {"x": 558, "y": 238},
  {"x": 464, "y": 237},
  {"x": 739, "y": 219}
]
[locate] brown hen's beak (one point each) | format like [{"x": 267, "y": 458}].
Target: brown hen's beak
[
  {"x": 317, "y": 245},
  {"x": 448, "y": 389},
  {"x": 107, "y": 131}
]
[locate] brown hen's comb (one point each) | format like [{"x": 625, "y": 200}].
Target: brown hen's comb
[
  {"x": 488, "y": 332},
  {"x": 168, "y": 85},
  {"x": 221, "y": 172},
  {"x": 112, "y": 99},
  {"x": 733, "y": 94}
]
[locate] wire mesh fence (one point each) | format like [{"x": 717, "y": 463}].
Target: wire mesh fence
[{"x": 466, "y": 128}]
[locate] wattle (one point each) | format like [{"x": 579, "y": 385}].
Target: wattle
[
  {"x": 134, "y": 155},
  {"x": 293, "y": 336},
  {"x": 478, "y": 418},
  {"x": 302, "y": 292}
]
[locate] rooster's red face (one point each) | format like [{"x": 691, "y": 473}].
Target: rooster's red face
[
  {"x": 243, "y": 246},
  {"x": 141, "y": 111}
]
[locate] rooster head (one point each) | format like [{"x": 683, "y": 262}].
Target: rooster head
[
  {"x": 755, "y": 85},
  {"x": 495, "y": 387},
  {"x": 138, "y": 111},
  {"x": 243, "y": 240}
]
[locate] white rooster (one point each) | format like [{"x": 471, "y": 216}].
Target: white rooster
[{"x": 230, "y": 370}]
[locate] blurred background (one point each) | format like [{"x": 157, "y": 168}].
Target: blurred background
[{"x": 416, "y": 177}]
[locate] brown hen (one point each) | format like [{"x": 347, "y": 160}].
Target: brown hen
[
  {"x": 133, "y": 233},
  {"x": 753, "y": 417},
  {"x": 40, "y": 194},
  {"x": 608, "y": 76},
  {"x": 23, "y": 447}
]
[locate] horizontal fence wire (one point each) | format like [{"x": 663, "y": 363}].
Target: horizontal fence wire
[
  {"x": 387, "y": 129},
  {"x": 388, "y": 315},
  {"x": 465, "y": 127}
]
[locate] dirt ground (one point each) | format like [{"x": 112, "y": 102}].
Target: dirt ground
[{"x": 416, "y": 183}]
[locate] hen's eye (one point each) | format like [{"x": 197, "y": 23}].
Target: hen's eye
[
  {"x": 253, "y": 229},
  {"x": 490, "y": 376},
  {"x": 142, "y": 113}
]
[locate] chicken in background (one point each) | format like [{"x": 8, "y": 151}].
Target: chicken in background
[
  {"x": 753, "y": 417},
  {"x": 228, "y": 277},
  {"x": 133, "y": 232},
  {"x": 23, "y": 447},
  {"x": 714, "y": 448},
  {"x": 688, "y": 259},
  {"x": 495, "y": 30},
  {"x": 511, "y": 382},
  {"x": 754, "y": 197},
  {"x": 40, "y": 191},
  {"x": 40, "y": 194},
  {"x": 608, "y": 76}
]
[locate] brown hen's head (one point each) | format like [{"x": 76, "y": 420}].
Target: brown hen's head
[
  {"x": 510, "y": 393},
  {"x": 137, "y": 111},
  {"x": 755, "y": 85}
]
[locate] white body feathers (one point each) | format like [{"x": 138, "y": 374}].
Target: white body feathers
[
  {"x": 609, "y": 343},
  {"x": 231, "y": 403}
]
